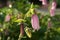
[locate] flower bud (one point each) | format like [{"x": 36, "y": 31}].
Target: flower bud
[
  {"x": 35, "y": 22},
  {"x": 21, "y": 29}
]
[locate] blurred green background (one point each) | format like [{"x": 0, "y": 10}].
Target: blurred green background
[{"x": 22, "y": 8}]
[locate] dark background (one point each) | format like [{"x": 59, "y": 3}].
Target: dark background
[{"x": 37, "y": 2}]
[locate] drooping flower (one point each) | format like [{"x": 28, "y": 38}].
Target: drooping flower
[
  {"x": 7, "y": 18},
  {"x": 52, "y": 12},
  {"x": 21, "y": 29},
  {"x": 44, "y": 2},
  {"x": 35, "y": 22},
  {"x": 53, "y": 7}
]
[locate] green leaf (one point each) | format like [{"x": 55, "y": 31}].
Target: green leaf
[{"x": 20, "y": 20}]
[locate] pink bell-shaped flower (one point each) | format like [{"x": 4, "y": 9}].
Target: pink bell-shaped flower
[
  {"x": 7, "y": 18},
  {"x": 52, "y": 10},
  {"x": 35, "y": 22},
  {"x": 53, "y": 5}
]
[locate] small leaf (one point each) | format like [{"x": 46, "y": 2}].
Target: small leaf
[{"x": 20, "y": 20}]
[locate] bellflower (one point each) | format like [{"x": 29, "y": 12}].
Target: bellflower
[
  {"x": 52, "y": 12},
  {"x": 53, "y": 7},
  {"x": 35, "y": 22}
]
